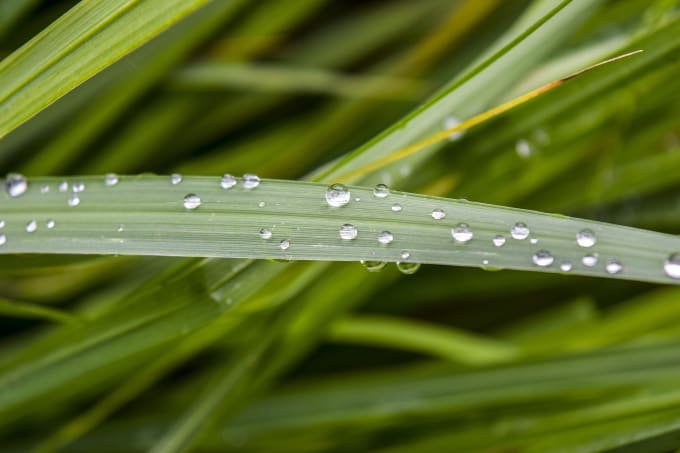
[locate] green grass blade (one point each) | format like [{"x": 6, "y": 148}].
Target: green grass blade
[{"x": 16, "y": 309}]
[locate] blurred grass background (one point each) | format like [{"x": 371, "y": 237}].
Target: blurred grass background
[{"x": 150, "y": 352}]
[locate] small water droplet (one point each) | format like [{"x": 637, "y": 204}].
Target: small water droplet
[
  {"x": 524, "y": 148},
  {"x": 78, "y": 186},
  {"x": 250, "y": 181},
  {"x": 438, "y": 214},
  {"x": 543, "y": 258},
  {"x": 461, "y": 233},
  {"x": 408, "y": 268},
  {"x": 265, "y": 233},
  {"x": 396, "y": 207},
  {"x": 357, "y": 199},
  {"x": 520, "y": 231},
  {"x": 73, "y": 200},
  {"x": 498, "y": 240},
  {"x": 533, "y": 240},
  {"x": 2, "y": 224},
  {"x": 485, "y": 262},
  {"x": 175, "y": 179},
  {"x": 31, "y": 226},
  {"x": 373, "y": 266},
  {"x": 3, "y": 239},
  {"x": 50, "y": 224},
  {"x": 590, "y": 260},
  {"x": 284, "y": 244},
  {"x": 381, "y": 191},
  {"x": 671, "y": 266},
  {"x": 565, "y": 266},
  {"x": 385, "y": 237},
  {"x": 15, "y": 184},
  {"x": 110, "y": 179},
  {"x": 262, "y": 204},
  {"x": 228, "y": 181},
  {"x": 44, "y": 188},
  {"x": 405, "y": 254},
  {"x": 451, "y": 122},
  {"x": 348, "y": 232},
  {"x": 337, "y": 195},
  {"x": 120, "y": 228},
  {"x": 63, "y": 186},
  {"x": 585, "y": 238},
  {"x": 613, "y": 266},
  {"x": 192, "y": 201}
]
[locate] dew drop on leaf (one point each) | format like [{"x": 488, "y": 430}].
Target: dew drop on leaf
[
  {"x": 228, "y": 181},
  {"x": 381, "y": 191},
  {"x": 590, "y": 260},
  {"x": 405, "y": 254},
  {"x": 348, "y": 232},
  {"x": 613, "y": 266},
  {"x": 192, "y": 201},
  {"x": 385, "y": 237},
  {"x": 3, "y": 239},
  {"x": 408, "y": 268},
  {"x": 671, "y": 265},
  {"x": 520, "y": 231},
  {"x": 565, "y": 266},
  {"x": 524, "y": 149},
  {"x": 543, "y": 258},
  {"x": 50, "y": 224},
  {"x": 396, "y": 207},
  {"x": 498, "y": 240},
  {"x": 284, "y": 244},
  {"x": 78, "y": 186},
  {"x": 15, "y": 185},
  {"x": 337, "y": 195},
  {"x": 461, "y": 233},
  {"x": 31, "y": 226},
  {"x": 250, "y": 181},
  {"x": 2, "y": 224},
  {"x": 373, "y": 266},
  {"x": 265, "y": 233},
  {"x": 110, "y": 179},
  {"x": 63, "y": 186},
  {"x": 73, "y": 200},
  {"x": 175, "y": 179},
  {"x": 438, "y": 214},
  {"x": 585, "y": 238},
  {"x": 449, "y": 123},
  {"x": 44, "y": 188}
]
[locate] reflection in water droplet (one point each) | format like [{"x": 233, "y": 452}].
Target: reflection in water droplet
[
  {"x": 373, "y": 266},
  {"x": 73, "y": 200},
  {"x": 385, "y": 237},
  {"x": 175, "y": 179},
  {"x": 449, "y": 123},
  {"x": 590, "y": 260},
  {"x": 78, "y": 186},
  {"x": 337, "y": 195},
  {"x": 3, "y": 239},
  {"x": 543, "y": 258},
  {"x": 250, "y": 181},
  {"x": 523, "y": 148},
  {"x": 461, "y": 233},
  {"x": 192, "y": 201},
  {"x": 110, "y": 179},
  {"x": 585, "y": 238},
  {"x": 671, "y": 265},
  {"x": 408, "y": 268},
  {"x": 265, "y": 233},
  {"x": 261, "y": 204},
  {"x": 15, "y": 184},
  {"x": 438, "y": 214},
  {"x": 405, "y": 254},
  {"x": 498, "y": 240},
  {"x": 520, "y": 231},
  {"x": 381, "y": 191},
  {"x": 31, "y": 226},
  {"x": 228, "y": 181},
  {"x": 565, "y": 266},
  {"x": 613, "y": 266},
  {"x": 348, "y": 232},
  {"x": 284, "y": 244},
  {"x": 396, "y": 207},
  {"x": 50, "y": 224}
]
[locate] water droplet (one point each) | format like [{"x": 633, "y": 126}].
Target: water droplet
[
  {"x": 348, "y": 232},
  {"x": 485, "y": 262},
  {"x": 337, "y": 195},
  {"x": 385, "y": 237},
  {"x": 671, "y": 265},
  {"x": 396, "y": 207},
  {"x": 15, "y": 184},
  {"x": 373, "y": 266},
  {"x": 262, "y": 204},
  {"x": 613, "y": 266},
  {"x": 590, "y": 260},
  {"x": 408, "y": 268},
  {"x": 73, "y": 200},
  {"x": 250, "y": 181},
  {"x": 284, "y": 244},
  {"x": 44, "y": 188},
  {"x": 438, "y": 214},
  {"x": 120, "y": 228},
  {"x": 31, "y": 226},
  {"x": 192, "y": 201},
  {"x": 499, "y": 240},
  {"x": 3, "y": 239},
  {"x": 543, "y": 258},
  {"x": 533, "y": 240},
  {"x": 541, "y": 136},
  {"x": 381, "y": 191},
  {"x": 228, "y": 181},
  {"x": 461, "y": 233},
  {"x": 524, "y": 148},
  {"x": 520, "y": 231},
  {"x": 110, "y": 179},
  {"x": 78, "y": 186},
  {"x": 50, "y": 224},
  {"x": 63, "y": 186},
  {"x": 265, "y": 233},
  {"x": 451, "y": 122},
  {"x": 405, "y": 254},
  {"x": 175, "y": 179},
  {"x": 585, "y": 238},
  {"x": 2, "y": 224},
  {"x": 565, "y": 266}
]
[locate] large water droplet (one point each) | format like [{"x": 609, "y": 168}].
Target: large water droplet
[
  {"x": 348, "y": 232},
  {"x": 284, "y": 244},
  {"x": 175, "y": 179},
  {"x": 498, "y": 240},
  {"x": 524, "y": 148},
  {"x": 31, "y": 226},
  {"x": 78, "y": 186},
  {"x": 73, "y": 200},
  {"x": 590, "y": 260},
  {"x": 396, "y": 207},
  {"x": 337, "y": 195},
  {"x": 461, "y": 233},
  {"x": 671, "y": 266},
  {"x": 50, "y": 224},
  {"x": 250, "y": 181},
  {"x": 110, "y": 179},
  {"x": 585, "y": 238},
  {"x": 3, "y": 239},
  {"x": 565, "y": 266},
  {"x": 15, "y": 185},
  {"x": 373, "y": 266},
  {"x": 228, "y": 181},
  {"x": 613, "y": 266},
  {"x": 408, "y": 268},
  {"x": 265, "y": 233},
  {"x": 520, "y": 231},
  {"x": 381, "y": 191},
  {"x": 192, "y": 201},
  {"x": 438, "y": 214},
  {"x": 543, "y": 258},
  {"x": 449, "y": 123},
  {"x": 385, "y": 237}
]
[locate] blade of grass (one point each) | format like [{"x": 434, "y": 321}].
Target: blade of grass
[{"x": 17, "y": 309}]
